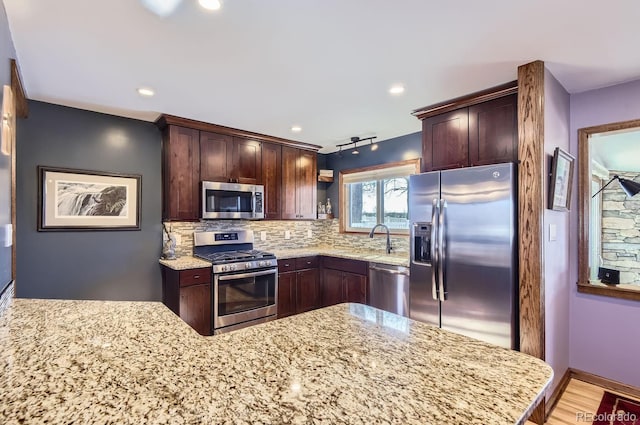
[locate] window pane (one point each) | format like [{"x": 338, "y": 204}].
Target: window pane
[
  {"x": 395, "y": 203},
  {"x": 362, "y": 203}
]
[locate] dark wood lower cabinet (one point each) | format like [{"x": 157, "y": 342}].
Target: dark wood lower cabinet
[
  {"x": 355, "y": 288},
  {"x": 195, "y": 307},
  {"x": 188, "y": 294},
  {"x": 331, "y": 287},
  {"x": 298, "y": 286},
  {"x": 286, "y": 294},
  {"x": 343, "y": 287},
  {"x": 308, "y": 290}
]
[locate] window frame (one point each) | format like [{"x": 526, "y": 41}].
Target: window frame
[{"x": 343, "y": 214}]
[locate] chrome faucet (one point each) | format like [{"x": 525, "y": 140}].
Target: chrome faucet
[{"x": 388, "y": 238}]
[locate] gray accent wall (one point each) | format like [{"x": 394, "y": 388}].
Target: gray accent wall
[
  {"x": 7, "y": 51},
  {"x": 104, "y": 265},
  {"x": 400, "y": 148}
]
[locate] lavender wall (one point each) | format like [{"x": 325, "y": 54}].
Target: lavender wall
[
  {"x": 604, "y": 339},
  {"x": 557, "y": 284}
]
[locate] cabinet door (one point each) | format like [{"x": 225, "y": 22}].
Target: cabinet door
[
  {"x": 288, "y": 207},
  {"x": 307, "y": 184},
  {"x": 247, "y": 161},
  {"x": 181, "y": 200},
  {"x": 332, "y": 292},
  {"x": 271, "y": 179},
  {"x": 445, "y": 141},
  {"x": 493, "y": 131},
  {"x": 355, "y": 288},
  {"x": 307, "y": 290},
  {"x": 215, "y": 157},
  {"x": 195, "y": 307},
  {"x": 286, "y": 294}
]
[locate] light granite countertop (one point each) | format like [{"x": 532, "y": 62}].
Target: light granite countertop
[
  {"x": 136, "y": 363},
  {"x": 184, "y": 263}
]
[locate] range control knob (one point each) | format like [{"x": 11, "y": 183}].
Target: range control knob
[
  {"x": 232, "y": 267},
  {"x": 247, "y": 265}
]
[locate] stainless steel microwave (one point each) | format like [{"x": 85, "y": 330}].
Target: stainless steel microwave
[{"x": 232, "y": 200}]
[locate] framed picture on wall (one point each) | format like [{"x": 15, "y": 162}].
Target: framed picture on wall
[
  {"x": 562, "y": 166},
  {"x": 71, "y": 199}
]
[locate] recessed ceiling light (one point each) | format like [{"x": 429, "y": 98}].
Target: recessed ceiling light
[
  {"x": 146, "y": 91},
  {"x": 296, "y": 128},
  {"x": 396, "y": 89},
  {"x": 210, "y": 4}
]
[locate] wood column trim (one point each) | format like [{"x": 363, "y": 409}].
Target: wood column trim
[
  {"x": 19, "y": 94},
  {"x": 531, "y": 179}
]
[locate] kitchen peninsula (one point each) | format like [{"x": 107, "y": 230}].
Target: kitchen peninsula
[{"x": 136, "y": 362}]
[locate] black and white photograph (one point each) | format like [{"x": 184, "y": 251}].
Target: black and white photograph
[
  {"x": 88, "y": 200},
  {"x": 561, "y": 180}
]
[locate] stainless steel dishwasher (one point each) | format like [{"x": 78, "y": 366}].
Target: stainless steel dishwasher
[{"x": 389, "y": 288}]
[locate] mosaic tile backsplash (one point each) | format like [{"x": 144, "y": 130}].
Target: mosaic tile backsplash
[
  {"x": 6, "y": 297},
  {"x": 323, "y": 233}
]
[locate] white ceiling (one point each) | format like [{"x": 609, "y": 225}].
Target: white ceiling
[{"x": 326, "y": 65}]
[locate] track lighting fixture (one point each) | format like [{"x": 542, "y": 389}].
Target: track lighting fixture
[{"x": 355, "y": 140}]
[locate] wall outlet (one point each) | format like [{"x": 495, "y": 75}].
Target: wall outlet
[
  {"x": 287, "y": 234},
  {"x": 309, "y": 233},
  {"x": 553, "y": 232},
  {"x": 178, "y": 238},
  {"x": 263, "y": 235}
]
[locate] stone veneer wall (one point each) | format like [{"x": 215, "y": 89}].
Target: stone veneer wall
[
  {"x": 6, "y": 297},
  {"x": 621, "y": 230},
  {"x": 324, "y": 233}
]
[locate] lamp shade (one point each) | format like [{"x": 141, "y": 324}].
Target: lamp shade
[{"x": 630, "y": 187}]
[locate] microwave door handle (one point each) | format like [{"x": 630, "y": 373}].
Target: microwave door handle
[{"x": 435, "y": 213}]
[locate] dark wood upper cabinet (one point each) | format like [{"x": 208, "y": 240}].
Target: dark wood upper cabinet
[
  {"x": 480, "y": 134},
  {"x": 230, "y": 159},
  {"x": 216, "y": 157},
  {"x": 246, "y": 160},
  {"x": 299, "y": 183},
  {"x": 181, "y": 173},
  {"x": 493, "y": 135},
  {"x": 445, "y": 141},
  {"x": 272, "y": 179},
  {"x": 194, "y": 151}
]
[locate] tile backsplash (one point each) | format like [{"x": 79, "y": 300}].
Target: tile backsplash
[
  {"x": 323, "y": 232},
  {"x": 5, "y": 297}
]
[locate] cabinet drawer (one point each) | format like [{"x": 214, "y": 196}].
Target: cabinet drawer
[
  {"x": 346, "y": 265},
  {"x": 195, "y": 276},
  {"x": 286, "y": 265},
  {"x": 307, "y": 263}
]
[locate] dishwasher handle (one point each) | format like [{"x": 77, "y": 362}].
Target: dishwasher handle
[{"x": 390, "y": 271}]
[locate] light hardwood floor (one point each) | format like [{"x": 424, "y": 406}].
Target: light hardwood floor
[{"x": 578, "y": 397}]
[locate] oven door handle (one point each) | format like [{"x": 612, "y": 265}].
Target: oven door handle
[{"x": 250, "y": 274}]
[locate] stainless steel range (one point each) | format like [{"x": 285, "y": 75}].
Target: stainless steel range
[{"x": 245, "y": 280}]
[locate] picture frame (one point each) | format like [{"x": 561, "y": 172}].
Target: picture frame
[
  {"x": 562, "y": 168},
  {"x": 72, "y": 200}
]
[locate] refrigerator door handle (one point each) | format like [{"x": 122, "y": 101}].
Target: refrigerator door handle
[
  {"x": 435, "y": 213},
  {"x": 442, "y": 228}
]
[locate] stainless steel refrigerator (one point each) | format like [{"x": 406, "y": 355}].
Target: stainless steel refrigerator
[{"x": 463, "y": 252}]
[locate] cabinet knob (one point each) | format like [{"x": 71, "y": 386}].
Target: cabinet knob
[{"x": 197, "y": 276}]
